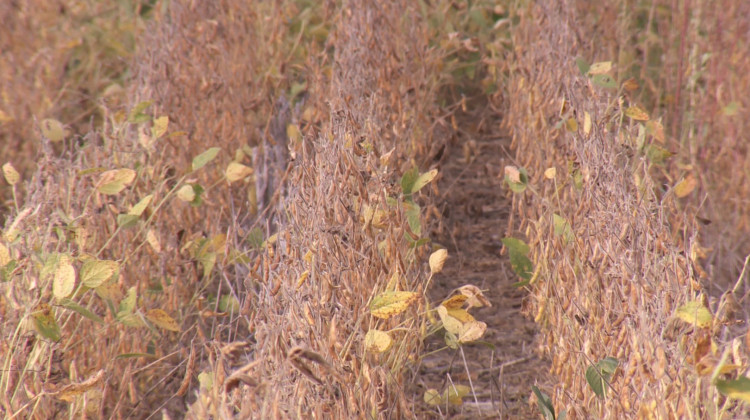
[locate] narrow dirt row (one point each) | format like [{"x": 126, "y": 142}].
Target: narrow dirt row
[{"x": 475, "y": 216}]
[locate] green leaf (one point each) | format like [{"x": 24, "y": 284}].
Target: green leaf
[
  {"x": 657, "y": 154},
  {"x": 598, "y": 376},
  {"x": 45, "y": 324},
  {"x": 694, "y": 313},
  {"x": 7, "y": 270},
  {"x": 544, "y": 403},
  {"x": 127, "y": 304},
  {"x": 255, "y": 238},
  {"x": 562, "y": 228},
  {"x": 126, "y": 221},
  {"x": 517, "y": 179},
  {"x": 204, "y": 158},
  {"x": 519, "y": 262},
  {"x": 414, "y": 217},
  {"x": 229, "y": 303},
  {"x": 604, "y": 81},
  {"x": 737, "y": 388},
  {"x": 96, "y": 272},
  {"x": 583, "y": 66},
  {"x": 408, "y": 180},
  {"x": 75, "y": 307},
  {"x": 136, "y": 114},
  {"x": 134, "y": 355}
]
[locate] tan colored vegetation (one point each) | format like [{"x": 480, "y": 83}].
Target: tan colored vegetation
[
  {"x": 618, "y": 252},
  {"x": 218, "y": 210}
]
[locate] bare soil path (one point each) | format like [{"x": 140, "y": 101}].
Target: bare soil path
[{"x": 475, "y": 216}]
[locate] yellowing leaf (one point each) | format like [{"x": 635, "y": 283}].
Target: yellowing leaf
[
  {"x": 162, "y": 320},
  {"x": 586, "y": 123},
  {"x": 186, "y": 193},
  {"x": 202, "y": 159},
  {"x": 388, "y": 304},
  {"x": 153, "y": 240},
  {"x": 140, "y": 207},
  {"x": 160, "y": 126},
  {"x": 460, "y": 314},
  {"x": 423, "y": 180},
  {"x": 472, "y": 331},
  {"x": 432, "y": 397},
  {"x": 685, "y": 186},
  {"x": 550, "y": 173},
  {"x": 655, "y": 129},
  {"x": 236, "y": 171},
  {"x": 53, "y": 130},
  {"x": 451, "y": 324},
  {"x": 302, "y": 278},
  {"x": 114, "y": 181},
  {"x": 293, "y": 133},
  {"x": 96, "y": 272},
  {"x": 637, "y": 113},
  {"x": 65, "y": 278},
  {"x": 11, "y": 175},
  {"x": 455, "y": 301},
  {"x": 571, "y": 124},
  {"x": 377, "y": 341},
  {"x": 44, "y": 322},
  {"x": 455, "y": 394},
  {"x": 737, "y": 388},
  {"x": 437, "y": 260},
  {"x": 600, "y": 67},
  {"x": 694, "y": 313}
]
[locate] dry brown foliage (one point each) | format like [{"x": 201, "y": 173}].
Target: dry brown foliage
[{"x": 613, "y": 289}]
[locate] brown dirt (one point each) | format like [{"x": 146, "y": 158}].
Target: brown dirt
[{"x": 476, "y": 210}]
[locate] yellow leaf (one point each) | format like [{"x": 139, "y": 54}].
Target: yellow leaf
[
  {"x": 656, "y": 130},
  {"x": 388, "y": 304},
  {"x": 377, "y": 341},
  {"x": 293, "y": 133},
  {"x": 114, "y": 181},
  {"x": 10, "y": 173},
  {"x": 586, "y": 123},
  {"x": 451, "y": 324},
  {"x": 160, "y": 126},
  {"x": 694, "y": 313},
  {"x": 140, "y": 207},
  {"x": 186, "y": 193},
  {"x": 96, "y": 272},
  {"x": 162, "y": 320},
  {"x": 69, "y": 392},
  {"x": 53, "y": 130},
  {"x": 550, "y": 173},
  {"x": 236, "y": 171},
  {"x": 601, "y": 67},
  {"x": 302, "y": 278},
  {"x": 636, "y": 113},
  {"x": 4, "y": 255},
  {"x": 472, "y": 331},
  {"x": 455, "y": 301},
  {"x": 437, "y": 260},
  {"x": 65, "y": 279},
  {"x": 571, "y": 124},
  {"x": 432, "y": 397},
  {"x": 455, "y": 394},
  {"x": 460, "y": 314},
  {"x": 153, "y": 240},
  {"x": 685, "y": 186}
]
